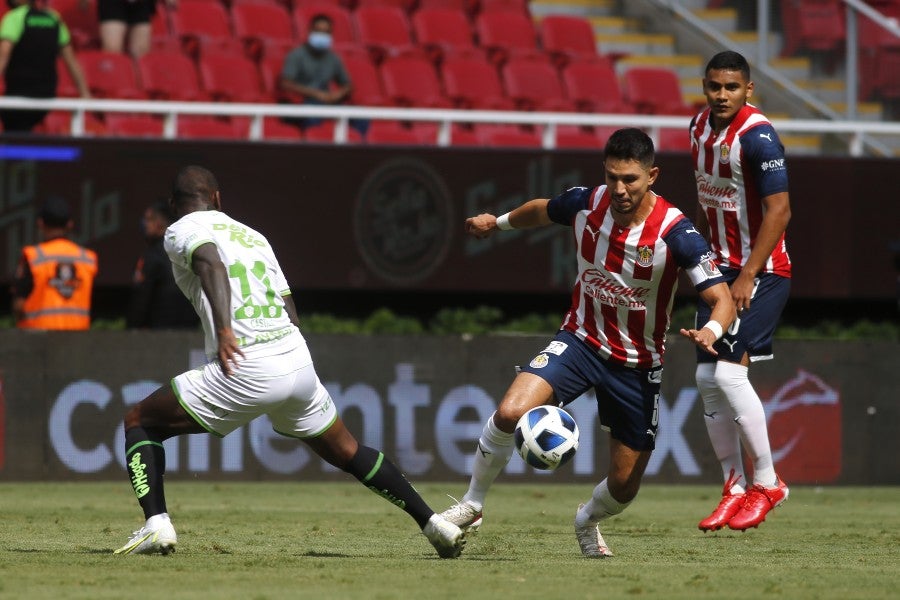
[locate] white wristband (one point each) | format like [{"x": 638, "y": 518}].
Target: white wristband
[
  {"x": 503, "y": 223},
  {"x": 715, "y": 327}
]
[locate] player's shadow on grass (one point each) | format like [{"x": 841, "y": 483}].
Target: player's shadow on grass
[{"x": 319, "y": 554}]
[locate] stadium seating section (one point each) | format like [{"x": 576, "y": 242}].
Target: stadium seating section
[{"x": 469, "y": 54}]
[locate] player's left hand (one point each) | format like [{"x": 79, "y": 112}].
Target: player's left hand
[
  {"x": 703, "y": 337},
  {"x": 228, "y": 351}
]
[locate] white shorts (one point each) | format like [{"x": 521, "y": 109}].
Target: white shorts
[{"x": 277, "y": 379}]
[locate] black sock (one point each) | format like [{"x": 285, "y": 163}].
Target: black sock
[
  {"x": 145, "y": 459},
  {"x": 375, "y": 471}
]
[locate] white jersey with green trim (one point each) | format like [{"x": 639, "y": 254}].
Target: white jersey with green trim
[{"x": 257, "y": 281}]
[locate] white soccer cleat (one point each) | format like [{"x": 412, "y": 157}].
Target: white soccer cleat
[
  {"x": 591, "y": 542},
  {"x": 447, "y": 538},
  {"x": 465, "y": 515},
  {"x": 156, "y": 538}
]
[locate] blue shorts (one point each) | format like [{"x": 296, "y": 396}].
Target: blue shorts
[
  {"x": 627, "y": 398},
  {"x": 753, "y": 330}
]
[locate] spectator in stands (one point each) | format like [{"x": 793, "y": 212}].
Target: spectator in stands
[
  {"x": 744, "y": 209},
  {"x": 31, "y": 38},
  {"x": 122, "y": 20},
  {"x": 54, "y": 279},
  {"x": 314, "y": 72},
  {"x": 156, "y": 301}
]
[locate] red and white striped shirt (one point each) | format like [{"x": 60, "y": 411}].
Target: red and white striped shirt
[
  {"x": 627, "y": 278},
  {"x": 735, "y": 169}
]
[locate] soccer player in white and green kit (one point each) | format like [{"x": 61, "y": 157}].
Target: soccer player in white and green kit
[{"x": 259, "y": 364}]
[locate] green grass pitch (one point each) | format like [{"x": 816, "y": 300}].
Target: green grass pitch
[{"x": 338, "y": 540}]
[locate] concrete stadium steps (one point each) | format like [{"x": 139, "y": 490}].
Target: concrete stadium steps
[
  {"x": 801, "y": 144},
  {"x": 611, "y": 25},
  {"x": 583, "y": 8},
  {"x": 724, "y": 20}
]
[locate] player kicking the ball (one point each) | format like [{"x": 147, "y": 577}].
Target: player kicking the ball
[
  {"x": 259, "y": 364},
  {"x": 630, "y": 244}
]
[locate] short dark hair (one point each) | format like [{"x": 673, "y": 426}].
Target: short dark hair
[
  {"x": 630, "y": 144},
  {"x": 162, "y": 209},
  {"x": 320, "y": 17},
  {"x": 729, "y": 60},
  {"x": 55, "y": 212},
  {"x": 194, "y": 184}
]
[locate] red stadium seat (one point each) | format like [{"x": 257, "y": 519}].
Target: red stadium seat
[
  {"x": 534, "y": 85},
  {"x": 412, "y": 81},
  {"x": 578, "y": 138},
  {"x": 128, "y": 125},
  {"x": 366, "y": 84},
  {"x": 201, "y": 25},
  {"x": 58, "y": 122},
  {"x": 169, "y": 76},
  {"x": 674, "y": 140},
  {"x": 393, "y": 132},
  {"x": 384, "y": 30},
  {"x": 506, "y": 34},
  {"x": 519, "y": 6},
  {"x": 459, "y": 5},
  {"x": 65, "y": 87},
  {"x": 229, "y": 78},
  {"x": 653, "y": 90},
  {"x": 202, "y": 127},
  {"x": 261, "y": 27},
  {"x": 443, "y": 32},
  {"x": 879, "y": 55},
  {"x": 594, "y": 87},
  {"x": 275, "y": 129},
  {"x": 568, "y": 38},
  {"x": 324, "y": 133},
  {"x": 508, "y": 135},
  {"x": 342, "y": 28},
  {"x": 812, "y": 25},
  {"x": 110, "y": 75},
  {"x": 80, "y": 17},
  {"x": 473, "y": 82},
  {"x": 404, "y": 5}
]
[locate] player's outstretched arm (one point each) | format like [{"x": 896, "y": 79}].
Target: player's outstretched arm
[
  {"x": 719, "y": 299},
  {"x": 210, "y": 269},
  {"x": 531, "y": 214}
]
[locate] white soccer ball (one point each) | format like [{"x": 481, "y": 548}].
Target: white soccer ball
[{"x": 546, "y": 437}]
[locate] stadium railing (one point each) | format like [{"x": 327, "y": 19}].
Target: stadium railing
[{"x": 853, "y": 131}]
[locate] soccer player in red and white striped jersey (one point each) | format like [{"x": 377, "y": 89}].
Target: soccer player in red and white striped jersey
[
  {"x": 630, "y": 245},
  {"x": 744, "y": 209}
]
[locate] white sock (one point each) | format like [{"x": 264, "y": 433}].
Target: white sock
[
  {"x": 494, "y": 450},
  {"x": 601, "y": 506},
  {"x": 156, "y": 521},
  {"x": 750, "y": 418},
  {"x": 723, "y": 431}
]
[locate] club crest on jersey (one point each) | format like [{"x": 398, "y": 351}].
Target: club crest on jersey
[
  {"x": 724, "y": 153},
  {"x": 645, "y": 256},
  {"x": 539, "y": 362}
]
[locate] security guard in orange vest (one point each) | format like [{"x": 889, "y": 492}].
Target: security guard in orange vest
[{"x": 54, "y": 279}]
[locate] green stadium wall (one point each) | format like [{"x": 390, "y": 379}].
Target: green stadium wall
[{"x": 832, "y": 408}]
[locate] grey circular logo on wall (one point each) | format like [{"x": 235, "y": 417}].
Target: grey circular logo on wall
[{"x": 403, "y": 222}]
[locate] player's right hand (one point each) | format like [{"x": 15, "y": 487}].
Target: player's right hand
[
  {"x": 228, "y": 351},
  {"x": 481, "y": 226}
]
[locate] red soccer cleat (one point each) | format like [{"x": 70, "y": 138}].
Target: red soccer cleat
[
  {"x": 758, "y": 501},
  {"x": 728, "y": 507}
]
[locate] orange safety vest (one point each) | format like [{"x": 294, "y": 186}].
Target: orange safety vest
[{"x": 63, "y": 273}]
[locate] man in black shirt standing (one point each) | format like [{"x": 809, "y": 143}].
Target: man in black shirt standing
[{"x": 156, "y": 301}]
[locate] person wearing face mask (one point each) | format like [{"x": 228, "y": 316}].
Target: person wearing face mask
[
  {"x": 156, "y": 300},
  {"x": 314, "y": 72}
]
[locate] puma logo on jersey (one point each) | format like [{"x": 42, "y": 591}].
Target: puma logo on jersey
[
  {"x": 692, "y": 230},
  {"x": 768, "y": 136},
  {"x": 729, "y": 344},
  {"x": 593, "y": 233}
]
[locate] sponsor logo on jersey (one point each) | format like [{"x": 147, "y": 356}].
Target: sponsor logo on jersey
[
  {"x": 776, "y": 164},
  {"x": 609, "y": 291},
  {"x": 540, "y": 361},
  {"x": 645, "y": 256},
  {"x": 709, "y": 267},
  {"x": 556, "y": 347}
]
